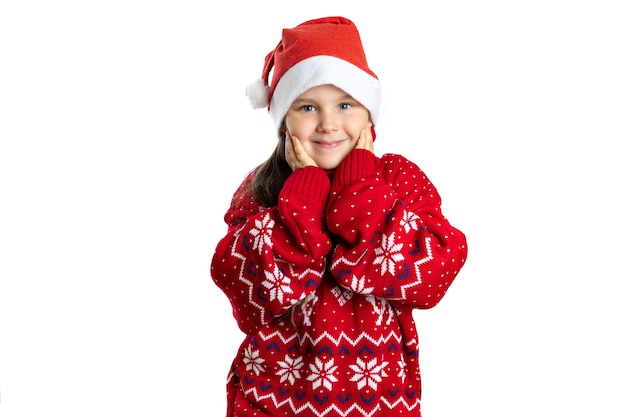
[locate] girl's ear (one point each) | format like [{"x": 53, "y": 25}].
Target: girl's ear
[{"x": 373, "y": 133}]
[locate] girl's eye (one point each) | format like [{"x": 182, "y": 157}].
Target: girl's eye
[
  {"x": 345, "y": 106},
  {"x": 307, "y": 108}
]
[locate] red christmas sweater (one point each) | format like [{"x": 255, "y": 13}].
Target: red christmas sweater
[{"x": 324, "y": 285}]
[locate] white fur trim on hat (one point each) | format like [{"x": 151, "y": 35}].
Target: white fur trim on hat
[{"x": 319, "y": 70}]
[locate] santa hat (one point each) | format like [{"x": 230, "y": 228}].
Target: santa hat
[{"x": 316, "y": 52}]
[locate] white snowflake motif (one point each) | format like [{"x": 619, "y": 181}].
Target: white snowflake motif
[
  {"x": 277, "y": 283},
  {"x": 388, "y": 254},
  {"x": 262, "y": 233},
  {"x": 368, "y": 373},
  {"x": 409, "y": 221},
  {"x": 290, "y": 369},
  {"x": 402, "y": 369},
  {"x": 358, "y": 285},
  {"x": 253, "y": 361},
  {"x": 322, "y": 374}
]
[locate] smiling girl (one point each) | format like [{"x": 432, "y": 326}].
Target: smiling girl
[{"x": 329, "y": 248}]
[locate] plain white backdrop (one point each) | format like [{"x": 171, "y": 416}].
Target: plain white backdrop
[{"x": 124, "y": 131}]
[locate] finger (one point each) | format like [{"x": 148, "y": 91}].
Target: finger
[
  {"x": 297, "y": 147},
  {"x": 301, "y": 154},
  {"x": 366, "y": 140},
  {"x": 370, "y": 137},
  {"x": 298, "y": 154},
  {"x": 288, "y": 147},
  {"x": 290, "y": 155}
]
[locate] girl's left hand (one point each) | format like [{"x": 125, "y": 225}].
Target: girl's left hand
[{"x": 366, "y": 140}]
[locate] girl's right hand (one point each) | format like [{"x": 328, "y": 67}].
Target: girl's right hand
[
  {"x": 366, "y": 139},
  {"x": 295, "y": 154}
]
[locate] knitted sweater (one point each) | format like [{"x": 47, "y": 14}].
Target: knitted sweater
[{"x": 324, "y": 284}]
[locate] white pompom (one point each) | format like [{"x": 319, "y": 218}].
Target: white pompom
[{"x": 258, "y": 94}]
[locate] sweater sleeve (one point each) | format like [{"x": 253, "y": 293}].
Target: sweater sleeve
[
  {"x": 272, "y": 257},
  {"x": 394, "y": 241}
]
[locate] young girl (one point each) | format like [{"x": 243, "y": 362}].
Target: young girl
[{"x": 330, "y": 248}]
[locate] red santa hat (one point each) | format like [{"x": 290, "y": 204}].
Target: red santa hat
[{"x": 317, "y": 52}]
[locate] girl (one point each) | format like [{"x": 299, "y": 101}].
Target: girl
[{"x": 330, "y": 248}]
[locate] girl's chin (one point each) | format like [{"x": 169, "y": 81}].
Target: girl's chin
[
  {"x": 329, "y": 163},
  {"x": 328, "y": 166}
]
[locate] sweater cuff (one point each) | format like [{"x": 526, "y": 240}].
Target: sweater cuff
[
  {"x": 357, "y": 165},
  {"x": 309, "y": 183}
]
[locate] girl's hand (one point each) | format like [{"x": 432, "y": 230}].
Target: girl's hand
[
  {"x": 295, "y": 154},
  {"x": 366, "y": 140}
]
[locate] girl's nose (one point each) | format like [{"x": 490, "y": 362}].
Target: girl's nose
[{"x": 328, "y": 122}]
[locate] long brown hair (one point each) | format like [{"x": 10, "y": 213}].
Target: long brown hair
[{"x": 270, "y": 176}]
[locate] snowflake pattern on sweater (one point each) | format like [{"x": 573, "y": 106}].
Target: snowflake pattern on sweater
[{"x": 324, "y": 285}]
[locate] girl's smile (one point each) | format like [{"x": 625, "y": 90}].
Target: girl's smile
[{"x": 329, "y": 144}]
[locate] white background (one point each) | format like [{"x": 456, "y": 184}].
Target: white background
[{"x": 124, "y": 131}]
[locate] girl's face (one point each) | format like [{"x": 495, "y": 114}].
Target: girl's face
[{"x": 328, "y": 122}]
